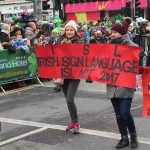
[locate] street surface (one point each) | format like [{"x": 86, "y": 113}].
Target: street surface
[{"x": 35, "y": 118}]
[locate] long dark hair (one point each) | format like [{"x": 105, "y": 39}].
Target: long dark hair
[{"x": 46, "y": 28}]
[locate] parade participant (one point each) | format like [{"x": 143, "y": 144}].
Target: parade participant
[
  {"x": 70, "y": 86},
  {"x": 121, "y": 97}
]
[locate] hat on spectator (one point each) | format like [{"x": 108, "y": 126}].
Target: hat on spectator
[
  {"x": 121, "y": 26},
  {"x": 54, "y": 31},
  {"x": 99, "y": 31},
  {"x": 72, "y": 24},
  {"x": 4, "y": 26},
  {"x": 84, "y": 28}
]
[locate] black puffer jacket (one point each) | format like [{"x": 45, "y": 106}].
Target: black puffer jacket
[
  {"x": 10, "y": 48},
  {"x": 3, "y": 36}
]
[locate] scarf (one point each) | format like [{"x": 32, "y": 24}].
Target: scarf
[
  {"x": 67, "y": 41},
  {"x": 117, "y": 40},
  {"x": 125, "y": 38},
  {"x": 5, "y": 31},
  {"x": 121, "y": 40}
]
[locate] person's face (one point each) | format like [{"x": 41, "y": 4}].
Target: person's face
[
  {"x": 18, "y": 32},
  {"x": 62, "y": 31},
  {"x": 115, "y": 34},
  {"x": 8, "y": 29},
  {"x": 54, "y": 34},
  {"x": 42, "y": 36},
  {"x": 19, "y": 38},
  {"x": 81, "y": 24},
  {"x": 109, "y": 22},
  {"x": 33, "y": 26},
  {"x": 70, "y": 32},
  {"x": 130, "y": 29},
  {"x": 13, "y": 26}
]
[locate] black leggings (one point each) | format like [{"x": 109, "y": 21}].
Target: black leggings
[{"x": 70, "y": 88}]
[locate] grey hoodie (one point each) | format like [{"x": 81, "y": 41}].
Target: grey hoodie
[{"x": 30, "y": 35}]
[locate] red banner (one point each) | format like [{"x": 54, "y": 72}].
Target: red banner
[
  {"x": 106, "y": 63},
  {"x": 146, "y": 92}
]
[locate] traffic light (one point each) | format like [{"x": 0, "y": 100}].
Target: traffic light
[
  {"x": 128, "y": 9},
  {"x": 45, "y": 5},
  {"x": 57, "y": 4},
  {"x": 136, "y": 8}
]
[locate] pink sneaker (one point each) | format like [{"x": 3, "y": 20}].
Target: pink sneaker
[
  {"x": 76, "y": 128},
  {"x": 71, "y": 126}
]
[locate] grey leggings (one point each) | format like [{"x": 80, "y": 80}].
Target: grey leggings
[{"x": 70, "y": 88}]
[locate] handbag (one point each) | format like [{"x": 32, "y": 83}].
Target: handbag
[{"x": 58, "y": 81}]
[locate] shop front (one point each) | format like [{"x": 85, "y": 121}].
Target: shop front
[
  {"x": 97, "y": 10},
  {"x": 7, "y": 11}
]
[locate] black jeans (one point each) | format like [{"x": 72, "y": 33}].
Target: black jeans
[
  {"x": 70, "y": 88},
  {"x": 123, "y": 116}
]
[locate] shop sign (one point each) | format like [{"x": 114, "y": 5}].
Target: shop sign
[
  {"x": 16, "y": 8},
  {"x": 107, "y": 5},
  {"x": 103, "y": 6}
]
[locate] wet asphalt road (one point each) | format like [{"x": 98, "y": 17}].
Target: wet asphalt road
[{"x": 36, "y": 118}]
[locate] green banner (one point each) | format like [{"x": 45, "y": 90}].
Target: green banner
[{"x": 18, "y": 66}]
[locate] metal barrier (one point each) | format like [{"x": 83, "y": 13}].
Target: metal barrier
[{"x": 142, "y": 42}]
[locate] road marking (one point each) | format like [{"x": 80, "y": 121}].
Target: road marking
[
  {"x": 22, "y": 136},
  {"x": 23, "y": 89},
  {"x": 136, "y": 107},
  {"x": 44, "y": 126}
]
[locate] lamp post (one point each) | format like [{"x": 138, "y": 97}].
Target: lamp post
[{"x": 148, "y": 9}]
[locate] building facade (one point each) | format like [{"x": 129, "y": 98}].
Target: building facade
[
  {"x": 98, "y": 10},
  {"x": 8, "y": 8}
]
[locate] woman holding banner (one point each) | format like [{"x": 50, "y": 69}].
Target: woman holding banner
[
  {"x": 121, "y": 97},
  {"x": 70, "y": 86}
]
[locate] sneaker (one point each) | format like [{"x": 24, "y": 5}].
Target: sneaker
[
  {"x": 71, "y": 126},
  {"x": 76, "y": 128},
  {"x": 134, "y": 141},
  {"x": 122, "y": 143}
]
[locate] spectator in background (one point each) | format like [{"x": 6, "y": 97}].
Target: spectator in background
[
  {"x": 31, "y": 32},
  {"x": 8, "y": 21},
  {"x": 54, "y": 36},
  {"x": 5, "y": 31},
  {"x": 86, "y": 35},
  {"x": 9, "y": 45},
  {"x": 17, "y": 31},
  {"x": 46, "y": 28},
  {"x": 131, "y": 35},
  {"x": 12, "y": 27},
  {"x": 20, "y": 43}
]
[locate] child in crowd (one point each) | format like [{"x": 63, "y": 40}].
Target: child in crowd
[
  {"x": 9, "y": 44},
  {"x": 20, "y": 43}
]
